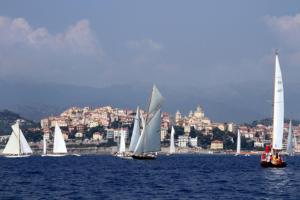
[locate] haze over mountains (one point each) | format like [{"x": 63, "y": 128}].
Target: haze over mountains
[{"x": 36, "y": 100}]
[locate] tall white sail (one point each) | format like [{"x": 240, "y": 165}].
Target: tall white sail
[
  {"x": 136, "y": 131},
  {"x": 139, "y": 149},
  {"x": 17, "y": 143},
  {"x": 290, "y": 140},
  {"x": 122, "y": 143},
  {"x": 278, "y": 109},
  {"x": 172, "y": 141},
  {"x": 59, "y": 145},
  {"x": 44, "y": 145},
  {"x": 238, "y": 145}
]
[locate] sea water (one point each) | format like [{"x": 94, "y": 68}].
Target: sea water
[{"x": 168, "y": 177}]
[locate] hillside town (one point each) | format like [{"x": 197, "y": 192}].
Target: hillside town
[{"x": 104, "y": 125}]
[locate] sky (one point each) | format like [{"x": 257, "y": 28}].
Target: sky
[{"x": 220, "y": 48}]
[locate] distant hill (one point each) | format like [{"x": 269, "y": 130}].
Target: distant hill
[
  {"x": 235, "y": 103},
  {"x": 8, "y": 118}
]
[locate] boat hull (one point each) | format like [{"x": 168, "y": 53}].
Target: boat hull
[
  {"x": 144, "y": 157},
  {"x": 16, "y": 156},
  {"x": 266, "y": 164}
]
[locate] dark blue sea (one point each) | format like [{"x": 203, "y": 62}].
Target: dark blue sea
[{"x": 168, "y": 177}]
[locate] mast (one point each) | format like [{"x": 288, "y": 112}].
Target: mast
[{"x": 19, "y": 135}]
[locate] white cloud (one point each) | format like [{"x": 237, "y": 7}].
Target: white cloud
[
  {"x": 77, "y": 39},
  {"x": 287, "y": 28}
]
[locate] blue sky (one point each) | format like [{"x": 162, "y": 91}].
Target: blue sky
[{"x": 219, "y": 47}]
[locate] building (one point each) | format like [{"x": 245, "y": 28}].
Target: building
[
  {"x": 193, "y": 142},
  {"x": 216, "y": 145},
  {"x": 183, "y": 141}
]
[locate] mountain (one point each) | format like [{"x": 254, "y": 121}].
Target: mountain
[
  {"x": 8, "y": 118},
  {"x": 234, "y": 103}
]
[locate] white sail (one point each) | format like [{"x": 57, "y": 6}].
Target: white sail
[
  {"x": 136, "y": 131},
  {"x": 156, "y": 100},
  {"x": 44, "y": 145},
  {"x": 152, "y": 133},
  {"x": 172, "y": 141},
  {"x": 59, "y": 145},
  {"x": 17, "y": 143},
  {"x": 238, "y": 145},
  {"x": 278, "y": 109},
  {"x": 139, "y": 149},
  {"x": 290, "y": 140},
  {"x": 122, "y": 142}
]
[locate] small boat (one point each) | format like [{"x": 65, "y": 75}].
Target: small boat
[
  {"x": 17, "y": 146},
  {"x": 149, "y": 140},
  {"x": 272, "y": 156},
  {"x": 172, "y": 142},
  {"x": 238, "y": 143},
  {"x": 59, "y": 144},
  {"x": 122, "y": 148}
]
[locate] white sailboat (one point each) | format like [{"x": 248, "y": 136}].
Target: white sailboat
[
  {"x": 290, "y": 145},
  {"x": 149, "y": 141},
  {"x": 172, "y": 141},
  {"x": 122, "y": 146},
  {"x": 278, "y": 119},
  {"x": 17, "y": 145},
  {"x": 238, "y": 144},
  {"x": 59, "y": 145}
]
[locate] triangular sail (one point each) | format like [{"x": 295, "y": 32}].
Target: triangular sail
[
  {"x": 59, "y": 145},
  {"x": 136, "y": 131},
  {"x": 278, "y": 109},
  {"x": 172, "y": 141},
  {"x": 139, "y": 149},
  {"x": 122, "y": 143},
  {"x": 290, "y": 140}
]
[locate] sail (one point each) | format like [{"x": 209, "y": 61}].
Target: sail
[
  {"x": 136, "y": 131},
  {"x": 122, "y": 142},
  {"x": 152, "y": 133},
  {"x": 238, "y": 145},
  {"x": 139, "y": 149},
  {"x": 59, "y": 145},
  {"x": 155, "y": 101},
  {"x": 290, "y": 140},
  {"x": 172, "y": 142},
  {"x": 44, "y": 145},
  {"x": 278, "y": 109},
  {"x": 17, "y": 143}
]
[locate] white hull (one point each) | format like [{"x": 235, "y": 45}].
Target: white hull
[
  {"x": 16, "y": 156},
  {"x": 59, "y": 155}
]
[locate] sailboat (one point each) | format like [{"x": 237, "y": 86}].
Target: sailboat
[
  {"x": 149, "y": 141},
  {"x": 238, "y": 145},
  {"x": 17, "y": 145},
  {"x": 59, "y": 145},
  {"x": 290, "y": 147},
  {"x": 122, "y": 146},
  {"x": 172, "y": 142},
  {"x": 273, "y": 158}
]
